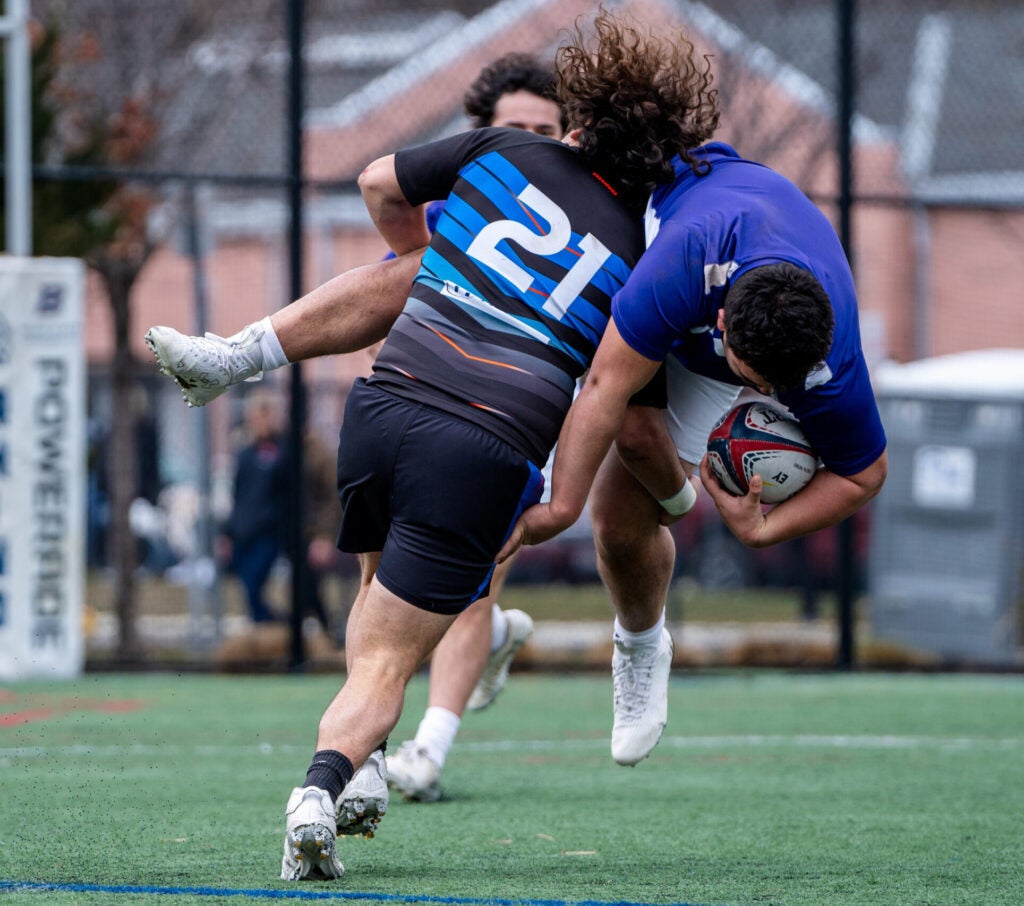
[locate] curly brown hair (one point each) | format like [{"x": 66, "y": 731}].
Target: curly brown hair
[{"x": 640, "y": 99}]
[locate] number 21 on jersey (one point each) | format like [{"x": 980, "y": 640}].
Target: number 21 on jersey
[{"x": 594, "y": 253}]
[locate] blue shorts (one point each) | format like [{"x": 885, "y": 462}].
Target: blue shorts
[{"x": 435, "y": 495}]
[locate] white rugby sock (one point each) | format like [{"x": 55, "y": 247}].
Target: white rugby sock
[
  {"x": 270, "y": 347},
  {"x": 271, "y": 354},
  {"x": 499, "y": 627},
  {"x": 437, "y": 732},
  {"x": 648, "y": 637}
]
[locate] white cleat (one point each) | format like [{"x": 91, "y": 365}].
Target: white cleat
[
  {"x": 640, "y": 681},
  {"x": 412, "y": 773},
  {"x": 492, "y": 680},
  {"x": 364, "y": 800},
  {"x": 309, "y": 852},
  {"x": 205, "y": 367}
]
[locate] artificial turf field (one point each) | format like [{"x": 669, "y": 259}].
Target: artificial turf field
[{"x": 767, "y": 788}]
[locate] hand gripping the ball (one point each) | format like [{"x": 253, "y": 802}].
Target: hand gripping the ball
[{"x": 744, "y": 515}]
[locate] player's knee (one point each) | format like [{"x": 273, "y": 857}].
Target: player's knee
[
  {"x": 475, "y": 617},
  {"x": 615, "y": 539},
  {"x": 638, "y": 436}
]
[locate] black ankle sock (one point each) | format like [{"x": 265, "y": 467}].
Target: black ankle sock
[{"x": 330, "y": 771}]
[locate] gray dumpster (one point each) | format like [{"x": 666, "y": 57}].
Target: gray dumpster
[{"x": 947, "y": 545}]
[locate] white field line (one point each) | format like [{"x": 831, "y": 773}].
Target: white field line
[{"x": 509, "y": 746}]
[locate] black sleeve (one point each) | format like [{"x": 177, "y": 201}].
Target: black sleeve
[{"x": 428, "y": 172}]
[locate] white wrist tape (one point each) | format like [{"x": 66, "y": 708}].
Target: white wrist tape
[{"x": 682, "y": 501}]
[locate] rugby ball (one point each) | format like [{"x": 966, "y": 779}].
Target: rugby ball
[{"x": 757, "y": 439}]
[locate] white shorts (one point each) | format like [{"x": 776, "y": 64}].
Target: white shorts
[
  {"x": 695, "y": 403},
  {"x": 545, "y": 496}
]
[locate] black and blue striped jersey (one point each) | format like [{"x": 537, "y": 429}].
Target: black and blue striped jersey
[{"x": 515, "y": 288}]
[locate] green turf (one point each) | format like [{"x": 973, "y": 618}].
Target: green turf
[{"x": 767, "y": 789}]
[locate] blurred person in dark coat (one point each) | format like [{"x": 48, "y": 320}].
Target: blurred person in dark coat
[{"x": 253, "y": 535}]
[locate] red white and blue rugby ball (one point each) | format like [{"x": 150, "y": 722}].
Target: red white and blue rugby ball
[{"x": 757, "y": 439}]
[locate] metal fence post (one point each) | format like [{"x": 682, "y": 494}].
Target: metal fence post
[
  {"x": 18, "y": 124},
  {"x": 296, "y": 547}
]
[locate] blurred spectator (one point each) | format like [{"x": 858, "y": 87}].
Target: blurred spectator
[
  {"x": 252, "y": 537},
  {"x": 153, "y": 554},
  {"x": 148, "y": 482}
]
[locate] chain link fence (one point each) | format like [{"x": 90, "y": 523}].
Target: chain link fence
[{"x": 162, "y": 132}]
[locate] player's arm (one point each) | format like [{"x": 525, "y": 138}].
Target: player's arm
[
  {"x": 647, "y": 450},
  {"x": 617, "y": 372},
  {"x": 402, "y": 225},
  {"x": 828, "y": 499}
]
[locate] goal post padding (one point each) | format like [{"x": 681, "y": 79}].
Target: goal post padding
[{"x": 42, "y": 467}]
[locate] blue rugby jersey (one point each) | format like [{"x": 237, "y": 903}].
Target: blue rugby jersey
[
  {"x": 514, "y": 291},
  {"x": 704, "y": 232}
]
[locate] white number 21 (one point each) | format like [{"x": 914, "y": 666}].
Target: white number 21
[{"x": 484, "y": 249}]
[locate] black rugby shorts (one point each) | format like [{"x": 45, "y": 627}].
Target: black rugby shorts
[{"x": 436, "y": 495}]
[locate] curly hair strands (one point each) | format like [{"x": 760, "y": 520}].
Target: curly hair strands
[
  {"x": 640, "y": 98},
  {"x": 779, "y": 321}
]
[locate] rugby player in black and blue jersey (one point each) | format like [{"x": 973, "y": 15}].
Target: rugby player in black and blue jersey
[
  {"x": 443, "y": 445},
  {"x": 470, "y": 665}
]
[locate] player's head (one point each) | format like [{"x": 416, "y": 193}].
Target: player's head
[
  {"x": 640, "y": 98},
  {"x": 516, "y": 91},
  {"x": 777, "y": 322}
]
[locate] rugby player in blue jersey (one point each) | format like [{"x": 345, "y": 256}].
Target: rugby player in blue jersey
[{"x": 744, "y": 284}]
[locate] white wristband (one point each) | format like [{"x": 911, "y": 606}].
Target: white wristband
[{"x": 682, "y": 501}]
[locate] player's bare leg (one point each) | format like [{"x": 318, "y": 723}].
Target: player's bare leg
[
  {"x": 470, "y": 662},
  {"x": 635, "y": 556},
  {"x": 392, "y": 640},
  {"x": 459, "y": 659},
  {"x": 414, "y": 770},
  {"x": 364, "y": 801},
  {"x": 368, "y": 564},
  {"x": 347, "y": 313},
  {"x": 635, "y": 553},
  {"x": 392, "y": 637}
]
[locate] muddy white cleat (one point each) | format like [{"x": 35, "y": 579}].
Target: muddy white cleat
[
  {"x": 364, "y": 800},
  {"x": 205, "y": 367},
  {"x": 309, "y": 852},
  {"x": 492, "y": 680},
  {"x": 640, "y": 682},
  {"x": 412, "y": 773}
]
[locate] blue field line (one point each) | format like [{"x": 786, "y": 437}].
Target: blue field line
[{"x": 45, "y": 887}]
